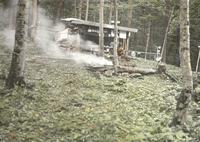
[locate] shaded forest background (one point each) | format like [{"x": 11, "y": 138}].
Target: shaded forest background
[{"x": 153, "y": 14}]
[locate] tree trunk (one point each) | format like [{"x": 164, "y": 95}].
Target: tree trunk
[
  {"x": 116, "y": 62},
  {"x": 60, "y": 9},
  {"x": 143, "y": 71},
  {"x": 125, "y": 69},
  {"x": 184, "y": 100},
  {"x": 130, "y": 11},
  {"x": 75, "y": 8},
  {"x": 87, "y": 10},
  {"x": 29, "y": 19},
  {"x": 197, "y": 65},
  {"x": 130, "y": 17},
  {"x": 34, "y": 19},
  {"x": 164, "y": 49},
  {"x": 80, "y": 8},
  {"x": 16, "y": 73},
  {"x": 111, "y": 11},
  {"x": 1, "y": 13},
  {"x": 148, "y": 39},
  {"x": 101, "y": 32}
]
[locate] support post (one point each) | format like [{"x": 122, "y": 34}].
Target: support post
[{"x": 127, "y": 43}]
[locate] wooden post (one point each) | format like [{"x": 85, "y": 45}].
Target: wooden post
[
  {"x": 148, "y": 39},
  {"x": 127, "y": 43},
  {"x": 123, "y": 44}
]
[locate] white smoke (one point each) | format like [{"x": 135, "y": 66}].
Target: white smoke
[
  {"x": 8, "y": 37},
  {"x": 7, "y": 24},
  {"x": 88, "y": 59},
  {"x": 50, "y": 34}
]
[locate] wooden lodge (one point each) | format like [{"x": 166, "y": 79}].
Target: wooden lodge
[{"x": 90, "y": 31}]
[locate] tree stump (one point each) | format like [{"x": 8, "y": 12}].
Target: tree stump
[{"x": 161, "y": 68}]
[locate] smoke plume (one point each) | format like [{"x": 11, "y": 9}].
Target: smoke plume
[{"x": 50, "y": 35}]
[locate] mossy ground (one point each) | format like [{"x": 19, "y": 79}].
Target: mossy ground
[{"x": 70, "y": 104}]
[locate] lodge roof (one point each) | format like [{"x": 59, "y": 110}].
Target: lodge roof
[{"x": 95, "y": 24}]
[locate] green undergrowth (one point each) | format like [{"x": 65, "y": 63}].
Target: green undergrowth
[{"x": 69, "y": 104}]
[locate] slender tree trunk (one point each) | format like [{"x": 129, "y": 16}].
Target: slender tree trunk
[
  {"x": 148, "y": 39},
  {"x": 130, "y": 17},
  {"x": 80, "y": 8},
  {"x": 184, "y": 99},
  {"x": 87, "y": 10},
  {"x": 94, "y": 17},
  {"x": 16, "y": 73},
  {"x": 116, "y": 62},
  {"x": 164, "y": 49},
  {"x": 130, "y": 11},
  {"x": 60, "y": 9},
  {"x": 34, "y": 19},
  {"x": 1, "y": 11},
  {"x": 197, "y": 65},
  {"x": 29, "y": 19},
  {"x": 101, "y": 32},
  {"x": 111, "y": 11},
  {"x": 75, "y": 8}
]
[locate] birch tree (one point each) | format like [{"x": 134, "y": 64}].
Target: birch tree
[
  {"x": 130, "y": 17},
  {"x": 116, "y": 62},
  {"x": 130, "y": 11},
  {"x": 101, "y": 34},
  {"x": 87, "y": 9},
  {"x": 111, "y": 11},
  {"x": 75, "y": 8},
  {"x": 34, "y": 19},
  {"x": 80, "y": 8},
  {"x": 184, "y": 99},
  {"x": 16, "y": 72}
]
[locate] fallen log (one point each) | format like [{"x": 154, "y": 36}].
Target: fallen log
[
  {"x": 130, "y": 70},
  {"x": 124, "y": 69},
  {"x": 100, "y": 69}
]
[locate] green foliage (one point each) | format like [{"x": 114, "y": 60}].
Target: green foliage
[{"x": 69, "y": 103}]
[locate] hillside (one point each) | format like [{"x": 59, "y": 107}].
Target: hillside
[{"x": 66, "y": 102}]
